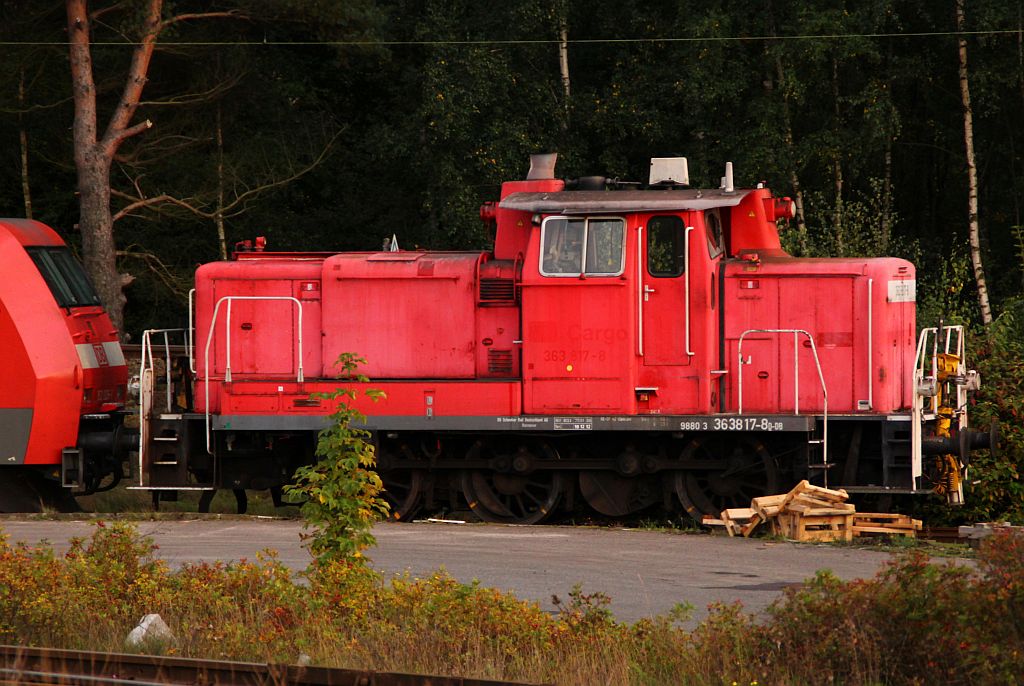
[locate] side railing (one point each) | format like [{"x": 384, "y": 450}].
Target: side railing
[
  {"x": 931, "y": 342},
  {"x": 161, "y": 340},
  {"x": 796, "y": 333},
  {"x": 229, "y": 299}
]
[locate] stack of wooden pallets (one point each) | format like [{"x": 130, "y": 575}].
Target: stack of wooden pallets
[{"x": 811, "y": 513}]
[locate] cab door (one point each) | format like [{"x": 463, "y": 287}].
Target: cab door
[{"x": 664, "y": 292}]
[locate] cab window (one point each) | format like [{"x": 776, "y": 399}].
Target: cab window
[
  {"x": 591, "y": 246},
  {"x": 716, "y": 237},
  {"x": 666, "y": 253},
  {"x": 64, "y": 276}
]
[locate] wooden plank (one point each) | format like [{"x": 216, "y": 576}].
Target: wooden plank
[
  {"x": 834, "y": 527},
  {"x": 768, "y": 505},
  {"x": 738, "y": 513},
  {"x": 837, "y": 496},
  {"x": 808, "y": 511},
  {"x": 858, "y": 530},
  {"x": 754, "y": 522},
  {"x": 895, "y": 521},
  {"x": 805, "y": 487}
]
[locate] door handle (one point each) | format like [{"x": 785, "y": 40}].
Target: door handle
[{"x": 647, "y": 291}]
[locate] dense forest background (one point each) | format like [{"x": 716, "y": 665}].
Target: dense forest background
[{"x": 333, "y": 125}]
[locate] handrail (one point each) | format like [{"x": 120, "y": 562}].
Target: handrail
[
  {"x": 640, "y": 287},
  {"x": 924, "y": 394},
  {"x": 147, "y": 368},
  {"x": 227, "y": 359},
  {"x": 871, "y": 338},
  {"x": 686, "y": 283},
  {"x": 191, "y": 332},
  {"x": 796, "y": 376}
]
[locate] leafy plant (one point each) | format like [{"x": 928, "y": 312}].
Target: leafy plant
[{"x": 340, "y": 493}]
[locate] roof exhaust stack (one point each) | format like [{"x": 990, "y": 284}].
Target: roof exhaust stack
[
  {"x": 542, "y": 167},
  {"x": 727, "y": 184}
]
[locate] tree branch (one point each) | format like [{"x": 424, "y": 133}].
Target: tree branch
[
  {"x": 189, "y": 16},
  {"x": 259, "y": 190},
  {"x": 118, "y": 129}
]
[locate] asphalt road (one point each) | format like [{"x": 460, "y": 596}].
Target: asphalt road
[{"x": 644, "y": 572}]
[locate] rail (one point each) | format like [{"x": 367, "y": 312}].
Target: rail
[
  {"x": 22, "y": 665},
  {"x": 796, "y": 377},
  {"x": 229, "y": 299}
]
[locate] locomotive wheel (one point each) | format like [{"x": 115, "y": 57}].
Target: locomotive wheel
[
  {"x": 617, "y": 496},
  {"x": 750, "y": 472},
  {"x": 403, "y": 487},
  {"x": 513, "y": 497}
]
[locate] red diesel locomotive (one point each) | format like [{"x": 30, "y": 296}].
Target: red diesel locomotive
[
  {"x": 63, "y": 392},
  {"x": 618, "y": 347}
]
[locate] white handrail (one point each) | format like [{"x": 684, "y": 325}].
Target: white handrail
[
  {"x": 686, "y": 267},
  {"x": 640, "y": 288},
  {"x": 871, "y": 338},
  {"x": 191, "y": 331},
  {"x": 146, "y": 371},
  {"x": 227, "y": 360},
  {"x": 796, "y": 374}
]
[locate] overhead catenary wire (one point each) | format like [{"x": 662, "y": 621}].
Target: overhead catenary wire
[{"x": 537, "y": 41}]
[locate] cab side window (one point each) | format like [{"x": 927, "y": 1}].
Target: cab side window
[
  {"x": 571, "y": 247},
  {"x": 666, "y": 254}
]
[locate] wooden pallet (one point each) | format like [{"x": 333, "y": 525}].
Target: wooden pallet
[
  {"x": 885, "y": 524},
  {"x": 836, "y": 526}
]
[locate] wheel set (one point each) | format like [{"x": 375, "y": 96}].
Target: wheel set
[{"x": 530, "y": 480}]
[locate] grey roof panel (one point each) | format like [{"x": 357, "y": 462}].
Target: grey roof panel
[{"x": 589, "y": 202}]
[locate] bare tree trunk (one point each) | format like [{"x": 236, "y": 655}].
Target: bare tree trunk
[
  {"x": 794, "y": 179},
  {"x": 563, "y": 58},
  {"x": 218, "y": 216},
  {"x": 837, "y": 163},
  {"x": 972, "y": 172},
  {"x": 94, "y": 154},
  {"x": 26, "y": 190},
  {"x": 886, "y": 220}
]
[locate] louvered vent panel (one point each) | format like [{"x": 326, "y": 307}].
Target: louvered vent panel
[
  {"x": 499, "y": 362},
  {"x": 497, "y": 291}
]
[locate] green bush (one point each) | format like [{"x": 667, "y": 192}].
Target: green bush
[{"x": 340, "y": 493}]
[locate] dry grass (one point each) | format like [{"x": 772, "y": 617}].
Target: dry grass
[{"x": 917, "y": 622}]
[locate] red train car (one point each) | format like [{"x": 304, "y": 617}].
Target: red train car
[
  {"x": 63, "y": 392},
  {"x": 618, "y": 347}
]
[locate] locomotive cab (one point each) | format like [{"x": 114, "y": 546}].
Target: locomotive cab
[{"x": 63, "y": 393}]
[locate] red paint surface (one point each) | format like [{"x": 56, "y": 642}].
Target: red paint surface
[
  {"x": 448, "y": 325},
  {"x": 42, "y": 368}
]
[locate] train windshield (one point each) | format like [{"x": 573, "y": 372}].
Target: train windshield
[{"x": 64, "y": 276}]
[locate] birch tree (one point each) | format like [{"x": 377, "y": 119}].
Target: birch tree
[{"x": 972, "y": 170}]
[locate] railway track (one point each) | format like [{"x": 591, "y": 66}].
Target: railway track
[{"x": 25, "y": 665}]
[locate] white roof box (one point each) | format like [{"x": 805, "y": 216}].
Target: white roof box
[{"x": 669, "y": 170}]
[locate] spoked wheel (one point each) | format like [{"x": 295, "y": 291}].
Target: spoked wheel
[
  {"x": 616, "y": 495},
  {"x": 403, "y": 486},
  {"x": 744, "y": 469},
  {"x": 516, "y": 492}
]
